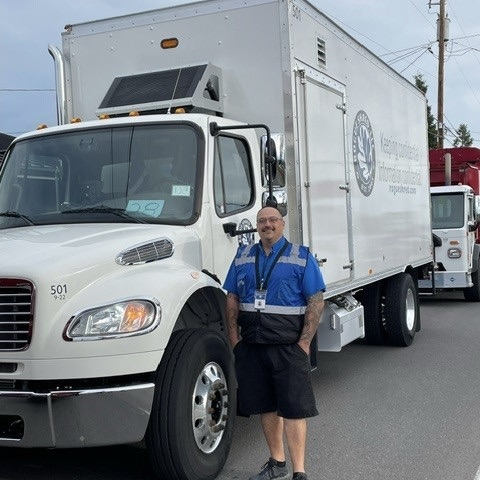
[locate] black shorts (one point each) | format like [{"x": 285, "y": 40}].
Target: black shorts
[{"x": 274, "y": 378}]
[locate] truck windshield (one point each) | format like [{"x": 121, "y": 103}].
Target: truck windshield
[
  {"x": 146, "y": 173},
  {"x": 448, "y": 210}
]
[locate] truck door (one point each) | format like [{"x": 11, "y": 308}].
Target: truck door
[
  {"x": 236, "y": 197},
  {"x": 323, "y": 172}
]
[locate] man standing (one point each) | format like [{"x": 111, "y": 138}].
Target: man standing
[{"x": 274, "y": 305}]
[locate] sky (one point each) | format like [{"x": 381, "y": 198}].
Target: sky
[{"x": 401, "y": 32}]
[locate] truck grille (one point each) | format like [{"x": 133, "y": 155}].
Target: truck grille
[{"x": 16, "y": 313}]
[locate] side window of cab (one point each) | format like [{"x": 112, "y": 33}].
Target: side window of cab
[{"x": 233, "y": 176}]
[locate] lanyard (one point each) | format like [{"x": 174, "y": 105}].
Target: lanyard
[{"x": 261, "y": 282}]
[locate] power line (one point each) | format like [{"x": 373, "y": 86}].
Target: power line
[
  {"x": 453, "y": 130},
  {"x": 467, "y": 38},
  {"x": 356, "y": 31},
  {"x": 408, "y": 54},
  {"x": 15, "y": 134},
  {"x": 468, "y": 83},
  {"x": 421, "y": 13},
  {"x": 411, "y": 63},
  {"x": 383, "y": 48},
  {"x": 27, "y": 89},
  {"x": 408, "y": 49},
  {"x": 466, "y": 49}
]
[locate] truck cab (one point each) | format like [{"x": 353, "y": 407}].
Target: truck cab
[
  {"x": 455, "y": 208},
  {"x": 146, "y": 171},
  {"x": 454, "y": 222},
  {"x": 114, "y": 234}
]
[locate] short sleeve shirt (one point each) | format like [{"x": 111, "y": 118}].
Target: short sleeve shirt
[{"x": 288, "y": 285}]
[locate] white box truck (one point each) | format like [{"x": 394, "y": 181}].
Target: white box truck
[{"x": 117, "y": 228}]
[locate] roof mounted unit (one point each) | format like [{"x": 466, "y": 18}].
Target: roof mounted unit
[{"x": 192, "y": 86}]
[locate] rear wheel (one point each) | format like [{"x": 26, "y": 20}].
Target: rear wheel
[
  {"x": 191, "y": 425},
  {"x": 402, "y": 310},
  {"x": 372, "y": 300}
]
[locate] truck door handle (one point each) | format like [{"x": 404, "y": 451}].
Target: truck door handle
[{"x": 231, "y": 229}]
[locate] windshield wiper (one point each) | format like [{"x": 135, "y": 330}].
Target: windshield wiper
[
  {"x": 103, "y": 209},
  {"x": 17, "y": 215}
]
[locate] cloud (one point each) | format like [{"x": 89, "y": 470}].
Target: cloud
[{"x": 389, "y": 29}]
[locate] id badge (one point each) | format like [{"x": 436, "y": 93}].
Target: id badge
[{"x": 260, "y": 299}]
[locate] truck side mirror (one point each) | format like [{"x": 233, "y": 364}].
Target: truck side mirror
[
  {"x": 280, "y": 197},
  {"x": 472, "y": 226},
  {"x": 276, "y": 159},
  {"x": 269, "y": 156},
  {"x": 437, "y": 241},
  {"x": 477, "y": 208}
]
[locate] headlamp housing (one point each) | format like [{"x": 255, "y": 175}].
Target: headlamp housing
[{"x": 121, "y": 319}]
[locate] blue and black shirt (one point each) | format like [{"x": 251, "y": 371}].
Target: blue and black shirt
[{"x": 289, "y": 275}]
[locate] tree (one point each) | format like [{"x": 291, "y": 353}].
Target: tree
[
  {"x": 431, "y": 123},
  {"x": 463, "y": 138}
]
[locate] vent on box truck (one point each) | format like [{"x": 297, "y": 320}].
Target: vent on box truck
[
  {"x": 194, "y": 87},
  {"x": 321, "y": 53}
]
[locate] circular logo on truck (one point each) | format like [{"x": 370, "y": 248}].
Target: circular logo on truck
[
  {"x": 363, "y": 153},
  {"x": 246, "y": 238}
]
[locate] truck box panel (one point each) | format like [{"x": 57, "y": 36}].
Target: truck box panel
[{"x": 365, "y": 211}]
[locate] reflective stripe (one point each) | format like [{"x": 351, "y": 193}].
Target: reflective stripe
[
  {"x": 245, "y": 257},
  {"x": 277, "y": 309},
  {"x": 293, "y": 258}
]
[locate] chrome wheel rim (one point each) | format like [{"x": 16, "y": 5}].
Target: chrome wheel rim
[
  {"x": 209, "y": 407},
  {"x": 410, "y": 310}
]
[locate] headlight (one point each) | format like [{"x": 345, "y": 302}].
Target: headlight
[
  {"x": 127, "y": 318},
  {"x": 454, "y": 252}
]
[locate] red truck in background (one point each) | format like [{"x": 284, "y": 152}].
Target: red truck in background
[
  {"x": 464, "y": 167},
  {"x": 455, "y": 202}
]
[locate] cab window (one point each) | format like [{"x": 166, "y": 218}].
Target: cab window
[
  {"x": 233, "y": 185},
  {"x": 447, "y": 210}
]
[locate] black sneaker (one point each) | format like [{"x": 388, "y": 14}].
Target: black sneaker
[
  {"x": 299, "y": 476},
  {"x": 271, "y": 471}
]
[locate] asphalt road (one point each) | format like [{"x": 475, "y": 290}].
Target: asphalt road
[{"x": 385, "y": 414}]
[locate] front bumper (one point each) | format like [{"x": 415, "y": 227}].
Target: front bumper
[
  {"x": 448, "y": 280},
  {"x": 75, "y": 418}
]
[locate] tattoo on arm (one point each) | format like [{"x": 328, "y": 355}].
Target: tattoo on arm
[
  {"x": 313, "y": 314},
  {"x": 232, "y": 318}
]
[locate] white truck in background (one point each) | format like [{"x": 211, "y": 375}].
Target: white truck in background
[
  {"x": 455, "y": 196},
  {"x": 118, "y": 228}
]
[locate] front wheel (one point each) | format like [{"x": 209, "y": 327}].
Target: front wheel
[
  {"x": 402, "y": 310},
  {"x": 193, "y": 412}
]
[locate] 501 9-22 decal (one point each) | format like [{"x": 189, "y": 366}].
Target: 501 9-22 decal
[{"x": 58, "y": 292}]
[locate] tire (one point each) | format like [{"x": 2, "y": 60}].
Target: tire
[
  {"x": 191, "y": 424},
  {"x": 472, "y": 294},
  {"x": 371, "y": 297},
  {"x": 402, "y": 310}
]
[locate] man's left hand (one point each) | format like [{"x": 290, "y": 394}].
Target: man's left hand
[{"x": 305, "y": 346}]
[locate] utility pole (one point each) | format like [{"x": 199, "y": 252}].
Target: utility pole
[{"x": 441, "y": 71}]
